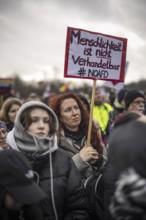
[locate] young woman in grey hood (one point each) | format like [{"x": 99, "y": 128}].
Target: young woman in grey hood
[{"x": 35, "y": 135}]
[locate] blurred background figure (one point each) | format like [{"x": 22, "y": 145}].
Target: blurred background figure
[
  {"x": 101, "y": 112},
  {"x": 9, "y": 111},
  {"x": 126, "y": 150},
  {"x": 112, "y": 97},
  {"x": 3, "y": 135},
  {"x": 134, "y": 101},
  {"x": 48, "y": 98},
  {"x": 127, "y": 117},
  {"x": 33, "y": 96},
  {"x": 119, "y": 105},
  {"x": 118, "y": 108}
]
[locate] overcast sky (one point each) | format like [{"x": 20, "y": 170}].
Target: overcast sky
[{"x": 33, "y": 33}]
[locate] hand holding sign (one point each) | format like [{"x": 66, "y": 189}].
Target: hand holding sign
[{"x": 88, "y": 153}]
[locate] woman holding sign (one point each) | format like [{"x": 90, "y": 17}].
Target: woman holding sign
[{"x": 73, "y": 120}]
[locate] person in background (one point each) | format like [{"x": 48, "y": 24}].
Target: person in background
[
  {"x": 101, "y": 112},
  {"x": 73, "y": 131},
  {"x": 118, "y": 108},
  {"x": 85, "y": 101},
  {"x": 134, "y": 101},
  {"x": 112, "y": 97},
  {"x": 3, "y": 135},
  {"x": 35, "y": 135},
  {"x": 126, "y": 117},
  {"x": 119, "y": 105},
  {"x": 19, "y": 194},
  {"x": 34, "y": 97},
  {"x": 127, "y": 156},
  {"x": 122, "y": 123},
  {"x": 48, "y": 98},
  {"x": 9, "y": 110}
]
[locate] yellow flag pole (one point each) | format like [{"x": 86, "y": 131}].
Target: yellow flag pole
[{"x": 91, "y": 113}]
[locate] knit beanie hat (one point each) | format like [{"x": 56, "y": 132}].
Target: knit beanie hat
[
  {"x": 131, "y": 95},
  {"x": 121, "y": 95}
]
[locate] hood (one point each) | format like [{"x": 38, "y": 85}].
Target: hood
[{"x": 30, "y": 144}]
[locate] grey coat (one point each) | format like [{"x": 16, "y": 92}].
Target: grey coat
[{"x": 72, "y": 147}]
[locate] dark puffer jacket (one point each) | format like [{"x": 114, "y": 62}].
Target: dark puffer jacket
[{"x": 69, "y": 196}]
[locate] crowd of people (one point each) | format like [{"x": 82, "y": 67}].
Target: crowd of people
[{"x": 46, "y": 158}]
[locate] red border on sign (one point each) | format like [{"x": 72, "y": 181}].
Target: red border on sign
[{"x": 123, "y": 59}]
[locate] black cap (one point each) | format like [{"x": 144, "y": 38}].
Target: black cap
[
  {"x": 131, "y": 95},
  {"x": 16, "y": 176}
]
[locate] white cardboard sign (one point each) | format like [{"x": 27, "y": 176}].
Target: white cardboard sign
[{"x": 94, "y": 55}]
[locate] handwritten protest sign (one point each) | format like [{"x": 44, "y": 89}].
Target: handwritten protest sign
[{"x": 93, "y": 55}]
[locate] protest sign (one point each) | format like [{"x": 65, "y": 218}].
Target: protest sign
[{"x": 92, "y": 55}]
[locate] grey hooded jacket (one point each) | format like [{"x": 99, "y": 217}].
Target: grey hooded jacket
[{"x": 56, "y": 172}]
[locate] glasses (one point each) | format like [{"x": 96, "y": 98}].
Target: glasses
[{"x": 138, "y": 102}]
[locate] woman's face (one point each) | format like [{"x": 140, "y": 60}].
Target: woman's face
[
  {"x": 12, "y": 112},
  {"x": 70, "y": 114},
  {"x": 40, "y": 122}
]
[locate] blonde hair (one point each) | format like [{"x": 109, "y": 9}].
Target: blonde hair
[{"x": 6, "y": 107}]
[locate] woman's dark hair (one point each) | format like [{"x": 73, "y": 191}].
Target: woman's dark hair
[
  {"x": 84, "y": 101},
  {"x": 26, "y": 119},
  {"x": 55, "y": 104}
]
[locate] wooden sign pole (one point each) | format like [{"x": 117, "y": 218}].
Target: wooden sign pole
[{"x": 91, "y": 113}]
